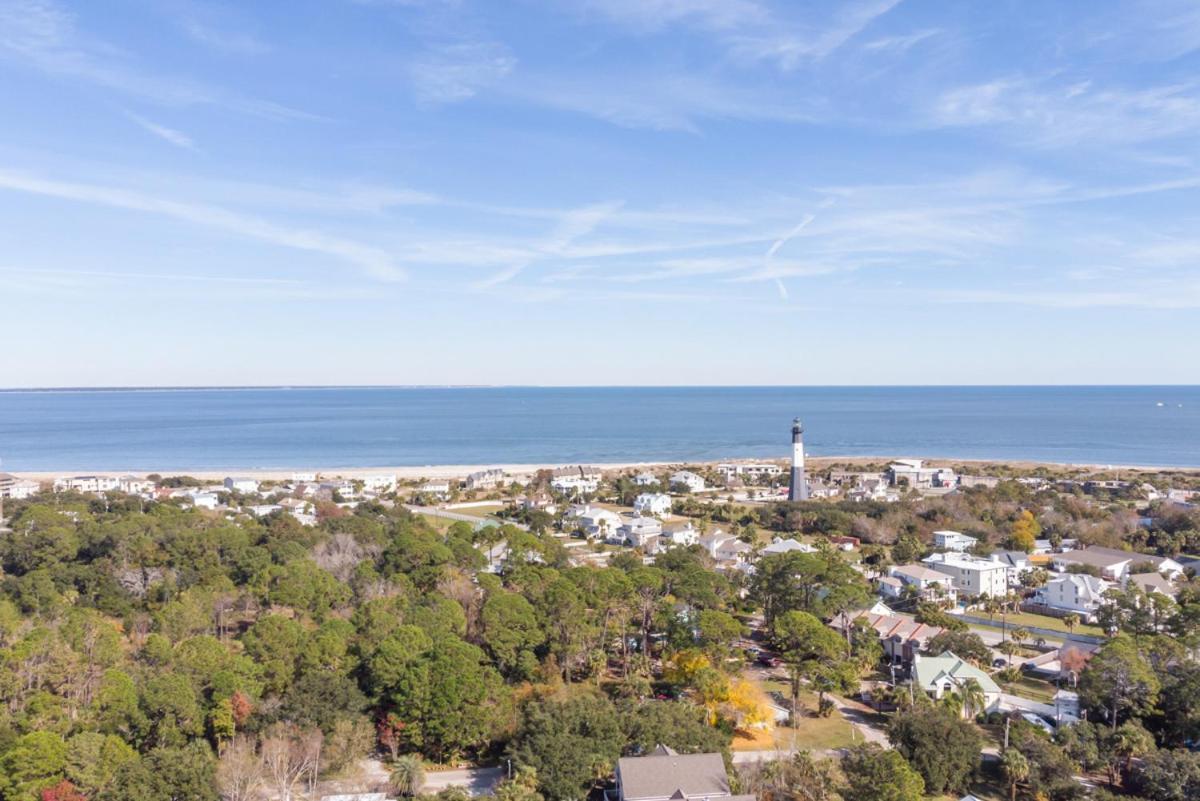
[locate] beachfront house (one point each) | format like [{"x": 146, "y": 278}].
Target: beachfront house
[
  {"x": 652, "y": 503},
  {"x": 95, "y": 484},
  {"x": 575, "y": 480},
  {"x": 379, "y": 483},
  {"x": 954, "y": 541},
  {"x": 666, "y": 775},
  {"x": 938, "y": 675},
  {"x": 486, "y": 479},
  {"x": 439, "y": 488},
  {"x": 971, "y": 575},
  {"x": 1073, "y": 593},
  {"x": 686, "y": 480},
  {"x": 244, "y": 485},
  {"x": 17, "y": 488},
  {"x": 645, "y": 480}
]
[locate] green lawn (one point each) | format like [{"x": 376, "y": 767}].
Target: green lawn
[
  {"x": 813, "y": 734},
  {"x": 1044, "y": 622},
  {"x": 1027, "y": 687}
]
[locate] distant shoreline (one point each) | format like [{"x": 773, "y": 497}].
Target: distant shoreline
[{"x": 411, "y": 472}]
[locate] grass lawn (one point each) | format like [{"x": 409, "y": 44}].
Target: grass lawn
[
  {"x": 1025, "y": 619},
  {"x": 1028, "y": 687},
  {"x": 813, "y": 734}
]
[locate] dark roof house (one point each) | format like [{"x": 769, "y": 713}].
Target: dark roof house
[{"x": 665, "y": 775}]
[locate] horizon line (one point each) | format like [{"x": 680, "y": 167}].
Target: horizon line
[{"x": 288, "y": 387}]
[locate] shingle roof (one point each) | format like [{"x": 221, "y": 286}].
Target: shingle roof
[{"x": 666, "y": 774}]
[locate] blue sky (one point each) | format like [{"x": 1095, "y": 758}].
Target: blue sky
[{"x": 599, "y": 192}]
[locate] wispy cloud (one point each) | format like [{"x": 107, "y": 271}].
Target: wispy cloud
[
  {"x": 40, "y": 34},
  {"x": 174, "y": 137},
  {"x": 901, "y": 42},
  {"x": 373, "y": 261},
  {"x": 449, "y": 73},
  {"x": 1054, "y": 113}
]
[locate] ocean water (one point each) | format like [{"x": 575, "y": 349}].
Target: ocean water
[{"x": 387, "y": 426}]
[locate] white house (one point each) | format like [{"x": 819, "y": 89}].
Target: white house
[
  {"x": 204, "y": 500},
  {"x": 730, "y": 470},
  {"x": 597, "y": 522},
  {"x": 645, "y": 480},
  {"x": 86, "y": 484},
  {"x": 379, "y": 483},
  {"x": 784, "y": 546},
  {"x": 688, "y": 479},
  {"x": 133, "y": 485},
  {"x": 440, "y": 488},
  {"x": 970, "y": 574},
  {"x": 732, "y": 552},
  {"x": 954, "y": 541},
  {"x": 263, "y": 509},
  {"x": 303, "y": 478},
  {"x": 17, "y": 488},
  {"x": 652, "y": 503},
  {"x": 576, "y": 479},
  {"x": 929, "y": 584},
  {"x": 682, "y": 534},
  {"x": 638, "y": 531},
  {"x": 244, "y": 485},
  {"x": 1076, "y": 593}
]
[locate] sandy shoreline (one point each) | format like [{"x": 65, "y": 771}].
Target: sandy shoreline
[{"x": 410, "y": 472}]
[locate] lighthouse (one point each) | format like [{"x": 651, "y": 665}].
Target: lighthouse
[{"x": 798, "y": 489}]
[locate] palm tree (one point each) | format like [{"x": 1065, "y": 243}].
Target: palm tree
[
  {"x": 1016, "y": 770},
  {"x": 953, "y": 703},
  {"x": 973, "y": 697},
  {"x": 1019, "y": 635},
  {"x": 407, "y": 776}
]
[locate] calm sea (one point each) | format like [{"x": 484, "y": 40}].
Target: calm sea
[{"x": 374, "y": 426}]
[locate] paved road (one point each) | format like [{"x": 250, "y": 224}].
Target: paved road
[{"x": 477, "y": 781}]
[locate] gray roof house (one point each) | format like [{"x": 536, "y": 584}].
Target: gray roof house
[{"x": 665, "y": 775}]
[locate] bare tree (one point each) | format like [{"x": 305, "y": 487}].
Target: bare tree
[
  {"x": 240, "y": 769},
  {"x": 290, "y": 755}
]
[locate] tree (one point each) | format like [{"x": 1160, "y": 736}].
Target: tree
[
  {"x": 34, "y": 762},
  {"x": 1024, "y": 532},
  {"x": 941, "y": 747},
  {"x": 1122, "y": 745},
  {"x": 814, "y": 651},
  {"x": 564, "y": 741},
  {"x": 290, "y": 756},
  {"x": 1015, "y": 767},
  {"x": 510, "y": 631},
  {"x": 239, "y": 770},
  {"x": 676, "y": 724},
  {"x": 966, "y": 644},
  {"x": 1168, "y": 775},
  {"x": 876, "y": 774},
  {"x": 407, "y": 775},
  {"x": 974, "y": 699},
  {"x": 1118, "y": 681}
]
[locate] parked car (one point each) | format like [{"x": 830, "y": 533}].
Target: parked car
[
  {"x": 769, "y": 660},
  {"x": 999, "y": 662}
]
